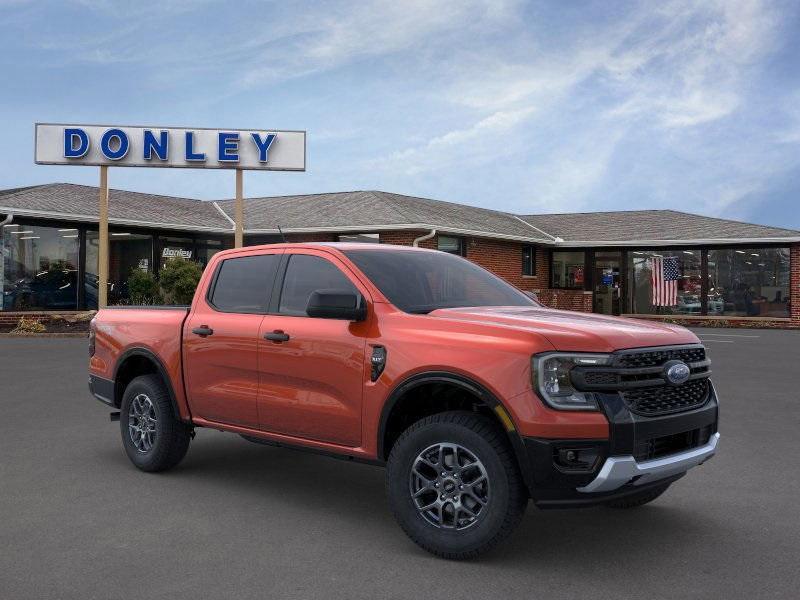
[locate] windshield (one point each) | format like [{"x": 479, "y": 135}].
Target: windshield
[{"x": 419, "y": 282}]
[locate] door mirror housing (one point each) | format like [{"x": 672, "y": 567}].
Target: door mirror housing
[{"x": 337, "y": 304}]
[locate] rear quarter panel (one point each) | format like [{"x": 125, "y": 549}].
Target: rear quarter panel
[{"x": 157, "y": 331}]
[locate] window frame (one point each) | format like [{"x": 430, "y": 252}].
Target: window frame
[
  {"x": 269, "y": 288},
  {"x": 462, "y": 245},
  {"x": 533, "y": 260},
  {"x": 277, "y": 288}
]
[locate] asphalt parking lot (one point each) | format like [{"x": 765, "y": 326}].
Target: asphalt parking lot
[{"x": 238, "y": 520}]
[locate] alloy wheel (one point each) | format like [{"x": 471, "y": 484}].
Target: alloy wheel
[{"x": 449, "y": 486}]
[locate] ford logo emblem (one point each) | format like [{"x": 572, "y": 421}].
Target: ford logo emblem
[{"x": 676, "y": 372}]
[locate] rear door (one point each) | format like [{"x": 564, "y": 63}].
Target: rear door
[
  {"x": 312, "y": 379},
  {"x": 221, "y": 339}
]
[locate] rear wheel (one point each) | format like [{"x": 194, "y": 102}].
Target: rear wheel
[
  {"x": 454, "y": 485},
  {"x": 154, "y": 439},
  {"x": 640, "y": 499}
]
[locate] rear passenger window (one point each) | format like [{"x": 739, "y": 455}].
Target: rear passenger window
[
  {"x": 243, "y": 284},
  {"x": 306, "y": 274}
]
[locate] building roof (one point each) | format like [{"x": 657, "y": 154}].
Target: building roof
[
  {"x": 370, "y": 211},
  {"x": 664, "y": 226},
  {"x": 80, "y": 203},
  {"x": 374, "y": 210}
]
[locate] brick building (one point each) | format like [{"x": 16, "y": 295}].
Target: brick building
[{"x": 729, "y": 273}]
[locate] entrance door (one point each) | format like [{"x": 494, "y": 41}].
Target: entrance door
[{"x": 607, "y": 282}]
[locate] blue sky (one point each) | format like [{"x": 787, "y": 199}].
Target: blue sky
[{"x": 556, "y": 106}]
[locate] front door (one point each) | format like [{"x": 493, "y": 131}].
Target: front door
[
  {"x": 312, "y": 370},
  {"x": 607, "y": 282},
  {"x": 221, "y": 340}
]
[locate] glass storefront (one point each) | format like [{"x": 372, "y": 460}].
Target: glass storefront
[
  {"x": 748, "y": 282},
  {"x": 568, "y": 270},
  {"x": 40, "y": 267},
  {"x": 666, "y": 282},
  {"x": 128, "y": 251}
]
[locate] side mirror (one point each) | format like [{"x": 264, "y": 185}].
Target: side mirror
[{"x": 336, "y": 304}]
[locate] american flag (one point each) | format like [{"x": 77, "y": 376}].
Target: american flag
[{"x": 664, "y": 276}]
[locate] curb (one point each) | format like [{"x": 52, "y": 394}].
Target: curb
[{"x": 45, "y": 335}]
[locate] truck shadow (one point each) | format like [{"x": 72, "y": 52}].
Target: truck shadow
[{"x": 352, "y": 495}]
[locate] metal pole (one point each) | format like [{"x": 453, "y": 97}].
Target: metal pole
[
  {"x": 238, "y": 241},
  {"x": 102, "y": 255}
]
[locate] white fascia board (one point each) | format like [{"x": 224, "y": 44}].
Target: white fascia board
[
  {"x": 687, "y": 242},
  {"x": 111, "y": 220}
]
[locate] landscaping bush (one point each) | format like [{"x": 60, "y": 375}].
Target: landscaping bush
[
  {"x": 25, "y": 325},
  {"x": 143, "y": 288},
  {"x": 179, "y": 279}
]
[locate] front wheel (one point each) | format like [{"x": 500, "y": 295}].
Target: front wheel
[
  {"x": 454, "y": 485},
  {"x": 154, "y": 439}
]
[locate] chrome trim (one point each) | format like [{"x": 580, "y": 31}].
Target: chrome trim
[{"x": 619, "y": 470}]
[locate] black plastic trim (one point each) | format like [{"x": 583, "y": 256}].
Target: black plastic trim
[
  {"x": 162, "y": 371},
  {"x": 102, "y": 389},
  {"x": 467, "y": 384}
]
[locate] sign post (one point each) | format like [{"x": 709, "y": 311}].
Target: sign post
[
  {"x": 238, "y": 237},
  {"x": 175, "y": 147},
  {"x": 103, "y": 253}
]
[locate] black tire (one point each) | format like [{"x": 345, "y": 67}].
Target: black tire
[
  {"x": 640, "y": 499},
  {"x": 169, "y": 442},
  {"x": 507, "y": 495}
]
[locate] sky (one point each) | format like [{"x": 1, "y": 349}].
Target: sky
[{"x": 529, "y": 107}]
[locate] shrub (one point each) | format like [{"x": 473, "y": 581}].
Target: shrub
[
  {"x": 179, "y": 279},
  {"x": 143, "y": 288},
  {"x": 25, "y": 325}
]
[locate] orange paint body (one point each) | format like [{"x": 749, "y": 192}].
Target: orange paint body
[{"x": 315, "y": 390}]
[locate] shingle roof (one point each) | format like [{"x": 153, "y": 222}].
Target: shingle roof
[
  {"x": 70, "y": 201},
  {"x": 650, "y": 225},
  {"x": 373, "y": 210}
]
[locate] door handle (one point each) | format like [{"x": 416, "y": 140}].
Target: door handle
[
  {"x": 203, "y": 331},
  {"x": 277, "y": 336}
]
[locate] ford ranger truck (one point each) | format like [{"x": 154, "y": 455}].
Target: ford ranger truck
[{"x": 475, "y": 397}]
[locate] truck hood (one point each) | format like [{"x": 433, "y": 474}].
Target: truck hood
[{"x": 574, "y": 331}]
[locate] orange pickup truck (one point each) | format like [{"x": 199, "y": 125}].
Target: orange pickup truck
[{"x": 474, "y": 396}]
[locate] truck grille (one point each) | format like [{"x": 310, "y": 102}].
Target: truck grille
[
  {"x": 638, "y": 376},
  {"x": 663, "y": 400},
  {"x": 656, "y": 358}
]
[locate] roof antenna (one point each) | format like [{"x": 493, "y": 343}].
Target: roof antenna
[{"x": 283, "y": 237}]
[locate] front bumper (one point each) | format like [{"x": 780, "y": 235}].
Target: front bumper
[
  {"x": 620, "y": 470},
  {"x": 640, "y": 452}
]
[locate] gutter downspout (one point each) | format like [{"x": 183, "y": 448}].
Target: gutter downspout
[
  {"x": 7, "y": 220},
  {"x": 423, "y": 238}
]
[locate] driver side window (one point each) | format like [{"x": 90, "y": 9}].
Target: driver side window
[{"x": 305, "y": 274}]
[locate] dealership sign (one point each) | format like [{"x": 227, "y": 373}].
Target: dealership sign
[{"x": 193, "y": 148}]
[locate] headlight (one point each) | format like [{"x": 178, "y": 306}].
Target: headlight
[{"x": 551, "y": 379}]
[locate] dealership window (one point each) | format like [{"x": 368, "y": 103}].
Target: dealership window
[
  {"x": 176, "y": 247},
  {"x": 128, "y": 252},
  {"x": 361, "y": 238},
  {"x": 666, "y": 282},
  {"x": 451, "y": 245},
  {"x": 39, "y": 267},
  {"x": 568, "y": 270},
  {"x": 748, "y": 282},
  {"x": 529, "y": 261},
  {"x": 208, "y": 248}
]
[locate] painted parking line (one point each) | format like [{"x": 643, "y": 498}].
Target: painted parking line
[{"x": 720, "y": 341}]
